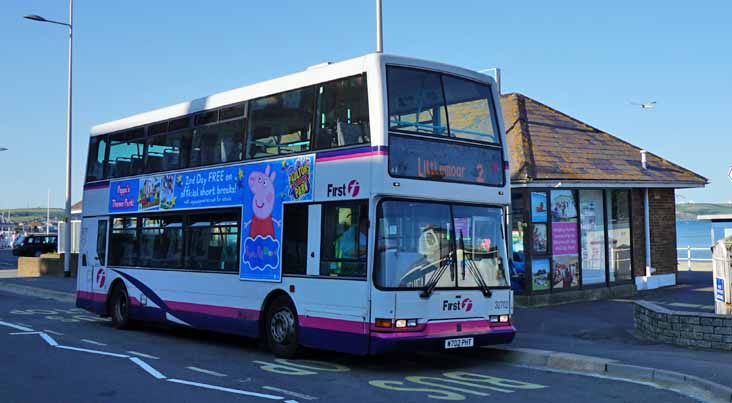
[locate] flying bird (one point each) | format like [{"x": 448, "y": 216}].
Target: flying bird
[{"x": 647, "y": 105}]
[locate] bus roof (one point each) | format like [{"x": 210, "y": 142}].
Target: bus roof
[{"x": 312, "y": 75}]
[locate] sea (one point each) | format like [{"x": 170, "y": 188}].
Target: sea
[{"x": 697, "y": 234}]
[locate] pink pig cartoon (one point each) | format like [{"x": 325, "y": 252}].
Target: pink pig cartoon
[{"x": 262, "y": 187}]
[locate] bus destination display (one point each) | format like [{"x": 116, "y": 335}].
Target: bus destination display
[{"x": 450, "y": 162}]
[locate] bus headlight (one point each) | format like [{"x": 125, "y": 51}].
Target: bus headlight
[
  {"x": 401, "y": 323},
  {"x": 499, "y": 318}
]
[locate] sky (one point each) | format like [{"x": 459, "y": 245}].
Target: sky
[{"x": 587, "y": 59}]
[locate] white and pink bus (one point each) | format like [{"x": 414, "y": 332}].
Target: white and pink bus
[{"x": 357, "y": 206}]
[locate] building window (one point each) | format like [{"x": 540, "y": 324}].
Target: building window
[
  {"x": 592, "y": 233},
  {"x": 564, "y": 240},
  {"x": 295, "y": 238},
  {"x": 345, "y": 239},
  {"x": 123, "y": 242},
  {"x": 281, "y": 123},
  {"x": 618, "y": 232},
  {"x": 519, "y": 226},
  {"x": 342, "y": 116}
]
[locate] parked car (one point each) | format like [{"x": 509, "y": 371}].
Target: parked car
[{"x": 36, "y": 245}]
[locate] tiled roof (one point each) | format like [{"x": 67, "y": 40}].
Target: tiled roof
[{"x": 546, "y": 145}]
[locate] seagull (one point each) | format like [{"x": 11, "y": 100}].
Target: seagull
[{"x": 647, "y": 105}]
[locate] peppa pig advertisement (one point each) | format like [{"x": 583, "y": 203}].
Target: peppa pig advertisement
[{"x": 259, "y": 188}]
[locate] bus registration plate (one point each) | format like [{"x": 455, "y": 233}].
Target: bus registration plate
[{"x": 459, "y": 343}]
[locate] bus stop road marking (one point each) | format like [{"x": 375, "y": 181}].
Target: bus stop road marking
[
  {"x": 290, "y": 393},
  {"x": 145, "y": 366},
  {"x": 230, "y": 390},
  {"x": 16, "y": 327},
  {"x": 143, "y": 355},
  {"x": 96, "y": 343},
  {"x": 86, "y": 350},
  {"x": 206, "y": 371}
]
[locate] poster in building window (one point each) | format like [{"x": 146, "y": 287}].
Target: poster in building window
[
  {"x": 592, "y": 235},
  {"x": 538, "y": 207},
  {"x": 540, "y": 274},
  {"x": 563, "y": 206},
  {"x": 565, "y": 271},
  {"x": 564, "y": 238},
  {"x": 538, "y": 238}
]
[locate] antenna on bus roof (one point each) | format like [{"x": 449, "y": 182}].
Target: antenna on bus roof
[{"x": 379, "y": 29}]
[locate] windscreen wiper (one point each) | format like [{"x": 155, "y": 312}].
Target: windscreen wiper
[
  {"x": 432, "y": 282},
  {"x": 473, "y": 268}
]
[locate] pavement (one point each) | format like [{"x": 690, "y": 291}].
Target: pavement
[{"x": 555, "y": 350}]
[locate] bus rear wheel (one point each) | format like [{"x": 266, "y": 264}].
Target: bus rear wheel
[
  {"x": 119, "y": 307},
  {"x": 281, "y": 328}
]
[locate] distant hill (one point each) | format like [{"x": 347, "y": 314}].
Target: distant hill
[
  {"x": 32, "y": 214},
  {"x": 689, "y": 211}
]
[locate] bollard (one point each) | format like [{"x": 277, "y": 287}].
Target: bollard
[{"x": 688, "y": 257}]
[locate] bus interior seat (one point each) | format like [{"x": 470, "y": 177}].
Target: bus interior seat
[
  {"x": 171, "y": 159},
  {"x": 349, "y": 133},
  {"x": 154, "y": 162}
]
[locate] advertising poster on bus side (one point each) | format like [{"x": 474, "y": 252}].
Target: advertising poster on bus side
[{"x": 260, "y": 189}]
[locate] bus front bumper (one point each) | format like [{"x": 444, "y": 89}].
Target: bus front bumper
[{"x": 389, "y": 342}]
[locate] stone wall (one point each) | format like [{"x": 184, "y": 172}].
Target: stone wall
[
  {"x": 662, "y": 205},
  {"x": 688, "y": 329}
]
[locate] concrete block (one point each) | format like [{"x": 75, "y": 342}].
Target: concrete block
[
  {"x": 672, "y": 377},
  {"x": 720, "y": 392},
  {"x": 523, "y": 356},
  {"x": 577, "y": 362},
  {"x": 626, "y": 371}
]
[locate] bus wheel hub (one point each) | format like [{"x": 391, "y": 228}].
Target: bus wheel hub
[{"x": 282, "y": 326}]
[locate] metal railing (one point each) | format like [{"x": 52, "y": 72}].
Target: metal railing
[{"x": 689, "y": 259}]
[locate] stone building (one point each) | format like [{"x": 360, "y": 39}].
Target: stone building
[{"x": 592, "y": 215}]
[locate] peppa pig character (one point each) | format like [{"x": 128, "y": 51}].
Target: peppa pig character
[{"x": 262, "y": 187}]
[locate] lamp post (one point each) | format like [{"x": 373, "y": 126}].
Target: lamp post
[
  {"x": 67, "y": 207},
  {"x": 3, "y": 149}
]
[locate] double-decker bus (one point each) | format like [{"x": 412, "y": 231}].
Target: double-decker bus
[{"x": 357, "y": 206}]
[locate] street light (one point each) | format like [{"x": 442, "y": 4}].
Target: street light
[
  {"x": 3, "y": 149},
  {"x": 67, "y": 208}
]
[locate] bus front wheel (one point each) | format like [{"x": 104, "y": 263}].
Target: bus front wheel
[
  {"x": 120, "y": 307},
  {"x": 281, "y": 328}
]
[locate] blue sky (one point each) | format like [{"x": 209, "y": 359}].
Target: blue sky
[{"x": 587, "y": 59}]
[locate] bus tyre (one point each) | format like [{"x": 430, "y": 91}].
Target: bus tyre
[
  {"x": 119, "y": 307},
  {"x": 281, "y": 328}
]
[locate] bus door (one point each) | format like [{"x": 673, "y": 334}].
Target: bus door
[
  {"x": 335, "y": 302},
  {"x": 93, "y": 256}
]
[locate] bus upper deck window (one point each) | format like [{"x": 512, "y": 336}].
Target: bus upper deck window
[{"x": 342, "y": 116}]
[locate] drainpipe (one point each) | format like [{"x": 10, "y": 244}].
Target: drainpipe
[
  {"x": 646, "y": 218},
  {"x": 647, "y": 230}
]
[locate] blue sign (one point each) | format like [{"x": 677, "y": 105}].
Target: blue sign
[
  {"x": 259, "y": 188},
  {"x": 719, "y": 289},
  {"x": 123, "y": 196},
  {"x": 538, "y": 207}
]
